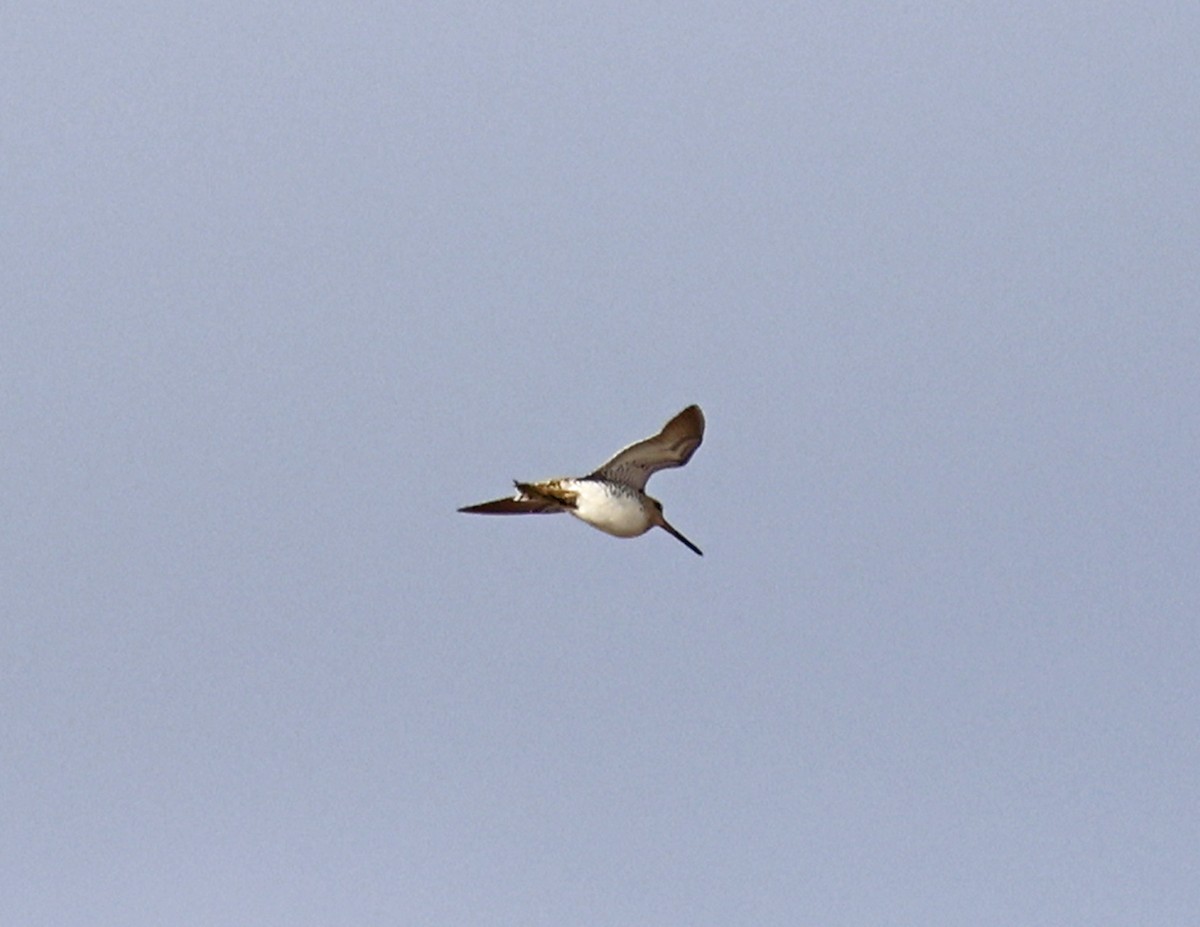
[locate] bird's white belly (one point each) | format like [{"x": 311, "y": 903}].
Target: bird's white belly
[{"x": 619, "y": 514}]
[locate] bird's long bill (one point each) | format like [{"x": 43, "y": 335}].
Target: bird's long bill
[{"x": 679, "y": 537}]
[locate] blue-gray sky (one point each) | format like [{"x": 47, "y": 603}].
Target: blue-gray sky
[{"x": 285, "y": 285}]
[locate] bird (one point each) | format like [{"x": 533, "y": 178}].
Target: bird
[{"x": 612, "y": 497}]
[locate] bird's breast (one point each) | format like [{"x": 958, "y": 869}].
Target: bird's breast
[{"x": 613, "y": 509}]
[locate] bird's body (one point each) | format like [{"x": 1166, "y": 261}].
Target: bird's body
[
  {"x": 614, "y": 508},
  {"x": 613, "y": 498}
]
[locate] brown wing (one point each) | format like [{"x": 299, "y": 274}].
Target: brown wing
[
  {"x": 531, "y": 499},
  {"x": 511, "y": 506},
  {"x": 671, "y": 447}
]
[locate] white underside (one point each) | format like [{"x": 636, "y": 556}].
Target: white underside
[{"x": 617, "y": 514}]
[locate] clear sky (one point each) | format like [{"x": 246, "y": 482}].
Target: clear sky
[{"x": 285, "y": 284}]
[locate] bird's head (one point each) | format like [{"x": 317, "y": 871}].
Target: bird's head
[{"x": 656, "y": 516}]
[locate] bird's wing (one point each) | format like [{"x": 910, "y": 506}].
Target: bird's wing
[
  {"x": 671, "y": 447},
  {"x": 530, "y": 499},
  {"x": 513, "y": 506}
]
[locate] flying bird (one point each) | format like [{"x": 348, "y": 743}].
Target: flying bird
[{"x": 612, "y": 497}]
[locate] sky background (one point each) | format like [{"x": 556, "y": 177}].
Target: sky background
[{"x": 285, "y": 284}]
